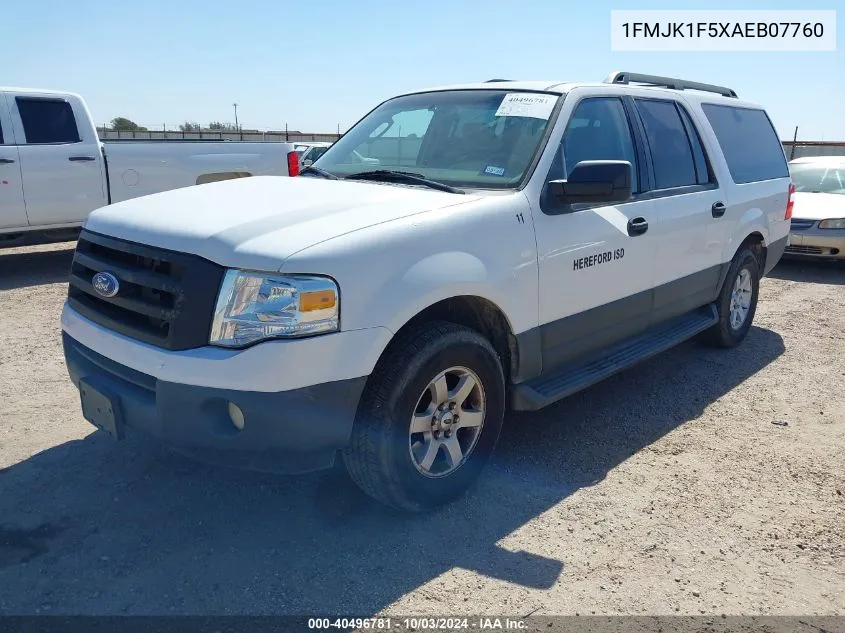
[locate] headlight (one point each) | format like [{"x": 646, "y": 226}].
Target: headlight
[
  {"x": 252, "y": 307},
  {"x": 832, "y": 224}
]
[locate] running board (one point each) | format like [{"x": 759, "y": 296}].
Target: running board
[{"x": 573, "y": 377}]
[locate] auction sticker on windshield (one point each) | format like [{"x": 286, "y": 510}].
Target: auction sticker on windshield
[{"x": 526, "y": 104}]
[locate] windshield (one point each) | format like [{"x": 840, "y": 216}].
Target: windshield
[
  {"x": 465, "y": 138},
  {"x": 811, "y": 178}
]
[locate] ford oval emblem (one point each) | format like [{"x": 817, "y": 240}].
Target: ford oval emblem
[{"x": 105, "y": 284}]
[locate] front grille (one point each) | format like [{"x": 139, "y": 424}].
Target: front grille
[
  {"x": 801, "y": 225},
  {"x": 165, "y": 298},
  {"x": 804, "y": 250}
]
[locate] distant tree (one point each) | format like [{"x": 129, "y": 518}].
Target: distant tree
[
  {"x": 222, "y": 127},
  {"x": 189, "y": 126},
  {"x": 122, "y": 124}
]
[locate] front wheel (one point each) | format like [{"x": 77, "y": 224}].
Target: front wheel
[
  {"x": 737, "y": 301},
  {"x": 429, "y": 418}
]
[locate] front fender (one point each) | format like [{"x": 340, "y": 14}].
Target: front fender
[{"x": 444, "y": 276}]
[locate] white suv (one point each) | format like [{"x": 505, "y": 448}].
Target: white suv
[{"x": 517, "y": 242}]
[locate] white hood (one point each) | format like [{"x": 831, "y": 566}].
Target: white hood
[
  {"x": 258, "y": 222},
  {"x": 818, "y": 206}
]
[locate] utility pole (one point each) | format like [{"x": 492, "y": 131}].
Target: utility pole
[{"x": 235, "y": 105}]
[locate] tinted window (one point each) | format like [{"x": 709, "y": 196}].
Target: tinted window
[
  {"x": 599, "y": 130},
  {"x": 47, "y": 121},
  {"x": 749, "y": 142},
  {"x": 702, "y": 167},
  {"x": 671, "y": 151}
]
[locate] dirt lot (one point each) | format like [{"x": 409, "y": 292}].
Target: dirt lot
[{"x": 703, "y": 481}]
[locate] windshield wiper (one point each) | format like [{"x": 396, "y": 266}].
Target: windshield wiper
[
  {"x": 318, "y": 172},
  {"x": 389, "y": 175}
]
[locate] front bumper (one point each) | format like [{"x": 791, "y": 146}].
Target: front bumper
[
  {"x": 817, "y": 244},
  {"x": 293, "y": 431}
]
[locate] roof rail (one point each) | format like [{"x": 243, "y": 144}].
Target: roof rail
[
  {"x": 620, "y": 77},
  {"x": 492, "y": 81}
]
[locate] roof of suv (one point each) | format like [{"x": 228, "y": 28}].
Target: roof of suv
[{"x": 562, "y": 87}]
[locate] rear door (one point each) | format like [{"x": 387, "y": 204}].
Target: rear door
[
  {"x": 690, "y": 207},
  {"x": 61, "y": 164},
  {"x": 12, "y": 208}
]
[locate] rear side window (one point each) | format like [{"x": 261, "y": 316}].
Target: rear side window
[
  {"x": 749, "y": 142},
  {"x": 671, "y": 149},
  {"x": 1, "y": 134},
  {"x": 47, "y": 121}
]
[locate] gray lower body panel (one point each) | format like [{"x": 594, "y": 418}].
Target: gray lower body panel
[
  {"x": 286, "y": 432},
  {"x": 774, "y": 253}
]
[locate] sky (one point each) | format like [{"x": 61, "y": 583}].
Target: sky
[{"x": 320, "y": 66}]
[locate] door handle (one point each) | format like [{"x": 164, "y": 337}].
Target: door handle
[
  {"x": 76, "y": 159},
  {"x": 637, "y": 226},
  {"x": 6, "y": 161},
  {"x": 718, "y": 209}
]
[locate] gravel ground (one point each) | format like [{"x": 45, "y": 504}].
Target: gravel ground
[{"x": 702, "y": 481}]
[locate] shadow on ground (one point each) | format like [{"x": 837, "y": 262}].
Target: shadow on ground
[
  {"x": 97, "y": 527},
  {"x": 34, "y": 268},
  {"x": 810, "y": 271}
]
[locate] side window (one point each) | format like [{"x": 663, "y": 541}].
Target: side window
[
  {"x": 749, "y": 142},
  {"x": 1, "y": 133},
  {"x": 671, "y": 150},
  {"x": 47, "y": 121},
  {"x": 598, "y": 130},
  {"x": 702, "y": 167}
]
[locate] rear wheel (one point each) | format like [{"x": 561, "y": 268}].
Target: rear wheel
[
  {"x": 737, "y": 302},
  {"x": 429, "y": 418}
]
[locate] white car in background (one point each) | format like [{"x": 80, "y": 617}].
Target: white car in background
[
  {"x": 310, "y": 152},
  {"x": 818, "y": 217}
]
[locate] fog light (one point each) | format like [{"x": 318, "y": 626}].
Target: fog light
[{"x": 236, "y": 416}]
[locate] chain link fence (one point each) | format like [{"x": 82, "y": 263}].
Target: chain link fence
[
  {"x": 283, "y": 136},
  {"x": 800, "y": 149},
  {"x": 793, "y": 149}
]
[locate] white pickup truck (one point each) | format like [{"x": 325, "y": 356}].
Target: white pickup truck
[{"x": 54, "y": 170}]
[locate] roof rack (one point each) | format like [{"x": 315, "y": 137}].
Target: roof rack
[{"x": 620, "y": 77}]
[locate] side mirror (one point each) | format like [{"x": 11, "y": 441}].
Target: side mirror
[{"x": 595, "y": 181}]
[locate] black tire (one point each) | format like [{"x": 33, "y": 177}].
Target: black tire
[
  {"x": 378, "y": 457},
  {"x": 723, "y": 334}
]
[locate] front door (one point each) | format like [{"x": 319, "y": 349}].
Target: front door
[
  {"x": 596, "y": 261},
  {"x": 12, "y": 208}
]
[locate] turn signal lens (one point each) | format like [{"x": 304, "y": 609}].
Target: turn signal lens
[{"x": 317, "y": 300}]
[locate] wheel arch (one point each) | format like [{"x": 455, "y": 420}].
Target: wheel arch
[
  {"x": 756, "y": 242},
  {"x": 475, "y": 312},
  {"x": 206, "y": 178}
]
